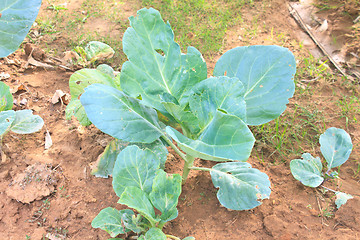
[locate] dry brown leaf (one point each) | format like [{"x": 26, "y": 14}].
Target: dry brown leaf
[{"x": 48, "y": 140}]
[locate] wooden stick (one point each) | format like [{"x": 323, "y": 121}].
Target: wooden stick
[{"x": 299, "y": 20}]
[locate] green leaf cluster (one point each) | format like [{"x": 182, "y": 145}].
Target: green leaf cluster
[
  {"x": 142, "y": 185},
  {"x": 163, "y": 95},
  {"x": 21, "y": 122},
  {"x": 336, "y": 147}
]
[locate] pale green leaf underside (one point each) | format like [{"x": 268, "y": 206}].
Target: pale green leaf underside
[
  {"x": 149, "y": 73},
  {"x": 341, "y": 199},
  {"x": 109, "y": 219},
  {"x": 225, "y": 138},
  {"x": 135, "y": 167},
  {"x": 77, "y": 83},
  {"x": 137, "y": 199},
  {"x": 307, "y": 170},
  {"x": 165, "y": 193},
  {"x": 267, "y": 74},
  {"x": 6, "y": 119},
  {"x": 25, "y": 122},
  {"x": 120, "y": 116},
  {"x": 6, "y": 99},
  {"x": 240, "y": 186},
  {"x": 336, "y": 146},
  {"x": 106, "y": 162},
  {"x": 17, "y": 17}
]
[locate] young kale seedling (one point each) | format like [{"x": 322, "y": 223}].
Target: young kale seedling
[
  {"x": 336, "y": 146},
  {"x": 161, "y": 90}
]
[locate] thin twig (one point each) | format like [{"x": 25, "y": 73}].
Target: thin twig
[{"x": 298, "y": 18}]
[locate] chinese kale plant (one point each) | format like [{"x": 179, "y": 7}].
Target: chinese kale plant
[
  {"x": 163, "y": 95},
  {"x": 16, "y": 18},
  {"x": 335, "y": 146}
]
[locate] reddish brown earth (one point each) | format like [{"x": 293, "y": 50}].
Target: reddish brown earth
[{"x": 76, "y": 197}]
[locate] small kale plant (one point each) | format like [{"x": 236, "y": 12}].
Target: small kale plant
[
  {"x": 335, "y": 146},
  {"x": 162, "y": 96},
  {"x": 16, "y": 19}
]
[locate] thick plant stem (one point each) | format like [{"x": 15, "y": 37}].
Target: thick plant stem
[
  {"x": 189, "y": 161},
  {"x": 168, "y": 141}
]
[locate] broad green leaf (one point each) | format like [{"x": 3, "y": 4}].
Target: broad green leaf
[
  {"x": 212, "y": 94},
  {"x": 95, "y": 50},
  {"x": 25, "y": 122},
  {"x": 240, "y": 186},
  {"x": 6, "y": 99},
  {"x": 307, "y": 170},
  {"x": 165, "y": 194},
  {"x": 156, "y": 65},
  {"x": 266, "y": 72},
  {"x": 6, "y": 119},
  {"x": 226, "y": 138},
  {"x": 106, "y": 160},
  {"x": 336, "y": 146},
  {"x": 341, "y": 199},
  {"x": 155, "y": 234},
  {"x": 109, "y": 219},
  {"x": 120, "y": 116},
  {"x": 17, "y": 17},
  {"x": 77, "y": 83},
  {"x": 185, "y": 118},
  {"x": 137, "y": 199},
  {"x": 135, "y": 167}
]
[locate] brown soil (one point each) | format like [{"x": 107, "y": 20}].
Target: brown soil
[{"x": 67, "y": 197}]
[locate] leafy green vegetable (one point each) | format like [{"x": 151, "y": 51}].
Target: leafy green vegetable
[
  {"x": 136, "y": 168},
  {"x": 240, "y": 186},
  {"x": 25, "y": 122},
  {"x": 16, "y": 19},
  {"x": 266, "y": 72},
  {"x": 109, "y": 219},
  {"x": 307, "y": 170},
  {"x": 161, "y": 91},
  {"x": 141, "y": 185},
  {"x": 95, "y": 50},
  {"x": 336, "y": 147}
]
